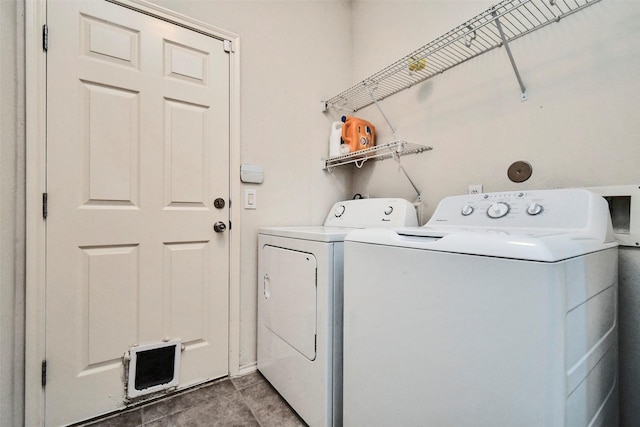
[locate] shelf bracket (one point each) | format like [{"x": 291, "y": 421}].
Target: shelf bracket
[
  {"x": 397, "y": 159},
  {"x": 523, "y": 89},
  {"x": 373, "y": 98}
]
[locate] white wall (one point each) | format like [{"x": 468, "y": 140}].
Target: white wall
[
  {"x": 12, "y": 233},
  {"x": 580, "y": 126},
  {"x": 293, "y": 55}
]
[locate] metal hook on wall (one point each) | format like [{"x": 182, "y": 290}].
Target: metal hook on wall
[
  {"x": 468, "y": 40},
  {"x": 554, "y": 3}
]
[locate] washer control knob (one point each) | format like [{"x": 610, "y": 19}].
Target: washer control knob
[
  {"x": 466, "y": 210},
  {"x": 339, "y": 210},
  {"x": 388, "y": 210},
  {"x": 498, "y": 210},
  {"x": 534, "y": 208}
]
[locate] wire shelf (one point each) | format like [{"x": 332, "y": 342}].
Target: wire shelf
[
  {"x": 473, "y": 38},
  {"x": 379, "y": 152}
]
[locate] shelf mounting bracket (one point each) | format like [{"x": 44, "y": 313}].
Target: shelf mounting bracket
[
  {"x": 397, "y": 159},
  {"x": 373, "y": 98},
  {"x": 523, "y": 89}
]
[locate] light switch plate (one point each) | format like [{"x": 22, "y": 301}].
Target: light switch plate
[{"x": 250, "y": 199}]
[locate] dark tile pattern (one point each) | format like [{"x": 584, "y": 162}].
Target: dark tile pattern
[
  {"x": 269, "y": 407},
  {"x": 242, "y": 401}
]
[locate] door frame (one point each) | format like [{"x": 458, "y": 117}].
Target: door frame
[{"x": 36, "y": 127}]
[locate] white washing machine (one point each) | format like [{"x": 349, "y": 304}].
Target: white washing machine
[
  {"x": 500, "y": 311},
  {"x": 300, "y": 277}
]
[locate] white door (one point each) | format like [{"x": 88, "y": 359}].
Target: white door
[{"x": 137, "y": 152}]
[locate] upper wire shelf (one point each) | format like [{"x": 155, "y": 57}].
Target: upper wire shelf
[
  {"x": 473, "y": 38},
  {"x": 378, "y": 152}
]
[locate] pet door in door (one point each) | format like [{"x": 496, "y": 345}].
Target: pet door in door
[{"x": 153, "y": 368}]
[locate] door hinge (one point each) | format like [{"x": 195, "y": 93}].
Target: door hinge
[
  {"x": 45, "y": 205},
  {"x": 44, "y": 373},
  {"x": 229, "y": 224},
  {"x": 228, "y": 46},
  {"x": 45, "y": 37}
]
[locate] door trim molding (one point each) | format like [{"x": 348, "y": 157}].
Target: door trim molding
[
  {"x": 35, "y": 87},
  {"x": 36, "y": 126}
]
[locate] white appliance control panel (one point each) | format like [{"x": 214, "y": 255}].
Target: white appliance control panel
[
  {"x": 379, "y": 212},
  {"x": 562, "y": 208}
]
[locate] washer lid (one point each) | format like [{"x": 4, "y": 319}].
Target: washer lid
[
  {"x": 536, "y": 225},
  {"x": 529, "y": 245},
  {"x": 562, "y": 210}
]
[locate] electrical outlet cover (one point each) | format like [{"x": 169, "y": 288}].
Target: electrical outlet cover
[{"x": 475, "y": 189}]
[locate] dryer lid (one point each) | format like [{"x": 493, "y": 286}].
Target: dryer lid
[
  {"x": 315, "y": 233},
  {"x": 351, "y": 214}
]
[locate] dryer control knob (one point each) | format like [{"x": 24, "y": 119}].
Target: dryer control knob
[
  {"x": 339, "y": 210},
  {"x": 498, "y": 210},
  {"x": 534, "y": 208},
  {"x": 466, "y": 210}
]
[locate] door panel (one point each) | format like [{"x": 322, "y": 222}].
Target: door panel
[
  {"x": 186, "y": 154},
  {"x": 110, "y": 279},
  {"x": 112, "y": 167},
  {"x": 137, "y": 150}
]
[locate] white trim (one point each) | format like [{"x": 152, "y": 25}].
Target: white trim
[
  {"x": 235, "y": 209},
  {"x": 246, "y": 369},
  {"x": 176, "y": 18},
  {"x": 35, "y": 87}
]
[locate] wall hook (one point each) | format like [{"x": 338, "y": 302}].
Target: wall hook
[{"x": 468, "y": 40}]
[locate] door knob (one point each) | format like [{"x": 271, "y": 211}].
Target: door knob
[{"x": 219, "y": 227}]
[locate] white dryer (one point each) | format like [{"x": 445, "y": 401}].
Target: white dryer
[
  {"x": 300, "y": 277},
  {"x": 500, "y": 311}
]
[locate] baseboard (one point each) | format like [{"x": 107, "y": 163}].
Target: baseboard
[{"x": 246, "y": 369}]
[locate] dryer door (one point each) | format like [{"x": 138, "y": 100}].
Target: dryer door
[{"x": 289, "y": 297}]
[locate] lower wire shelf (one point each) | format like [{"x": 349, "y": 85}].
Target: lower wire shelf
[{"x": 379, "y": 152}]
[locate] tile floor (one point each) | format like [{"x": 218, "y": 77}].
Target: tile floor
[{"x": 243, "y": 401}]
